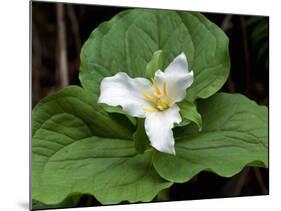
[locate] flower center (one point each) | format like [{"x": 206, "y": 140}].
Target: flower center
[{"x": 159, "y": 100}]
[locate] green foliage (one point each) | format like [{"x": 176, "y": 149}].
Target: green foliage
[
  {"x": 140, "y": 138},
  {"x": 158, "y": 61},
  {"x": 258, "y": 28},
  {"x": 70, "y": 201},
  {"x": 130, "y": 40},
  {"x": 235, "y": 133},
  {"x": 189, "y": 113},
  {"x": 74, "y": 108},
  {"x": 81, "y": 147},
  {"x": 70, "y": 153}
]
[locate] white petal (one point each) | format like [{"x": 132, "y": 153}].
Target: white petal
[
  {"x": 158, "y": 127},
  {"x": 177, "y": 78},
  {"x": 121, "y": 90}
]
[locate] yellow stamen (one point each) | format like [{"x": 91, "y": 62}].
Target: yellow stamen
[
  {"x": 163, "y": 103},
  {"x": 165, "y": 88},
  {"x": 149, "y": 98},
  {"x": 160, "y": 107},
  {"x": 157, "y": 90},
  {"x": 159, "y": 101},
  {"x": 150, "y": 109}
]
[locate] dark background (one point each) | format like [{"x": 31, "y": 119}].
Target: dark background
[{"x": 249, "y": 52}]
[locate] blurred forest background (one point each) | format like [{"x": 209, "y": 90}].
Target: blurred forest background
[{"x": 59, "y": 31}]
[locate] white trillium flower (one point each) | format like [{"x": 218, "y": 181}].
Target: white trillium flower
[{"x": 153, "y": 100}]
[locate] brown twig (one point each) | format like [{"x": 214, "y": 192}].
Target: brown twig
[
  {"x": 76, "y": 36},
  {"x": 246, "y": 54},
  {"x": 226, "y": 26},
  {"x": 36, "y": 64},
  {"x": 235, "y": 185},
  {"x": 62, "y": 58},
  {"x": 241, "y": 182},
  {"x": 74, "y": 26},
  {"x": 226, "y": 23},
  {"x": 260, "y": 181},
  {"x": 231, "y": 85}
]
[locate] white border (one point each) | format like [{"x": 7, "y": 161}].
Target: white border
[{"x": 14, "y": 58}]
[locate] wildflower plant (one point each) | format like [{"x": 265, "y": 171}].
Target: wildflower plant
[{"x": 148, "y": 113}]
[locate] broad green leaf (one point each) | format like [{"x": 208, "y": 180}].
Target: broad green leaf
[
  {"x": 189, "y": 113},
  {"x": 76, "y": 106},
  {"x": 118, "y": 109},
  {"x": 109, "y": 169},
  {"x": 140, "y": 138},
  {"x": 71, "y": 154},
  {"x": 157, "y": 62},
  {"x": 70, "y": 201},
  {"x": 129, "y": 41},
  {"x": 235, "y": 134}
]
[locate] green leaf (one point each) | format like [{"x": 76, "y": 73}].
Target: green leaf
[
  {"x": 119, "y": 110},
  {"x": 70, "y": 201},
  {"x": 129, "y": 41},
  {"x": 235, "y": 134},
  {"x": 140, "y": 138},
  {"x": 77, "y": 107},
  {"x": 189, "y": 113},
  {"x": 77, "y": 148},
  {"x": 157, "y": 62},
  {"x": 109, "y": 169}
]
